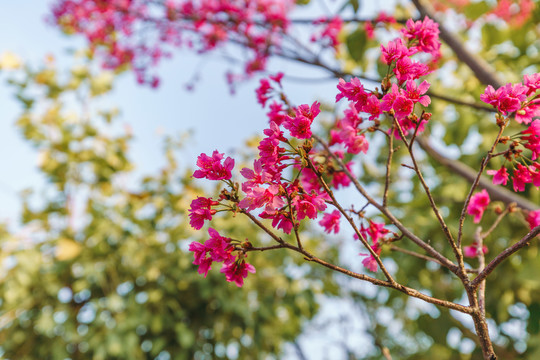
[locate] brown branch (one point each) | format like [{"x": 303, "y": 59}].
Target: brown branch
[
  {"x": 481, "y": 265},
  {"x": 388, "y": 169},
  {"x": 504, "y": 255},
  {"x": 350, "y": 221},
  {"x": 421, "y": 243},
  {"x": 404, "y": 289},
  {"x": 424, "y": 257},
  {"x": 455, "y": 247},
  {"x": 495, "y": 192},
  {"x": 476, "y": 181}
]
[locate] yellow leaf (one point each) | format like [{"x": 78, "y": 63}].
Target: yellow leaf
[
  {"x": 67, "y": 249},
  {"x": 9, "y": 61}
]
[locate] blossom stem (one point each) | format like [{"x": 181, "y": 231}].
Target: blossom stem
[{"x": 421, "y": 243}]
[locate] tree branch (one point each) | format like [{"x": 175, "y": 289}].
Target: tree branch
[
  {"x": 504, "y": 255},
  {"x": 421, "y": 243},
  {"x": 495, "y": 192}
]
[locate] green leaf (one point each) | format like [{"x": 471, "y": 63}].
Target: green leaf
[{"x": 356, "y": 44}]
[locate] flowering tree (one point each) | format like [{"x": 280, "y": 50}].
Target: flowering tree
[{"x": 388, "y": 120}]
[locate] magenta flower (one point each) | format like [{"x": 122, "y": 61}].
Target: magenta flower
[
  {"x": 508, "y": 98},
  {"x": 300, "y": 125},
  {"x": 532, "y": 82},
  {"x": 403, "y": 107},
  {"x": 473, "y": 250},
  {"x": 352, "y": 90},
  {"x": 532, "y": 141},
  {"x": 407, "y": 69},
  {"x": 533, "y": 218},
  {"x": 526, "y": 114},
  {"x": 369, "y": 262},
  {"x": 426, "y": 33},
  {"x": 262, "y": 91},
  {"x": 308, "y": 206},
  {"x": 394, "y": 51},
  {"x": 215, "y": 249},
  {"x": 416, "y": 92},
  {"x": 478, "y": 205},
  {"x": 211, "y": 167},
  {"x": 237, "y": 271},
  {"x": 200, "y": 210},
  {"x": 330, "y": 222},
  {"x": 500, "y": 177},
  {"x": 521, "y": 177},
  {"x": 375, "y": 231}
]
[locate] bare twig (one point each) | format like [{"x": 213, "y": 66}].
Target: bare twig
[
  {"x": 525, "y": 241},
  {"x": 475, "y": 183},
  {"x": 351, "y": 222},
  {"x": 424, "y": 257},
  {"x": 466, "y": 172},
  {"x": 455, "y": 248},
  {"x": 421, "y": 243},
  {"x": 388, "y": 169}
]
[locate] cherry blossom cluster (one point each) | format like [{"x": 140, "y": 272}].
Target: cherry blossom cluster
[
  {"x": 329, "y": 33},
  {"x": 374, "y": 232},
  {"x": 522, "y": 102},
  {"x": 291, "y": 180},
  {"x": 115, "y": 28},
  {"x": 222, "y": 250}
]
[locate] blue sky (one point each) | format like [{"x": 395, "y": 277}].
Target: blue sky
[{"x": 217, "y": 119}]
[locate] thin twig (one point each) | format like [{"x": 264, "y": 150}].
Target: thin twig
[
  {"x": 424, "y": 257},
  {"x": 404, "y": 289},
  {"x": 475, "y": 184},
  {"x": 388, "y": 169},
  {"x": 481, "y": 265},
  {"x": 525, "y": 241},
  {"x": 498, "y": 220},
  {"x": 350, "y": 220},
  {"x": 421, "y": 243},
  {"x": 495, "y": 192},
  {"x": 455, "y": 248}
]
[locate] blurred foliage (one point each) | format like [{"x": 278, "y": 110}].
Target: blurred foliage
[{"x": 99, "y": 268}]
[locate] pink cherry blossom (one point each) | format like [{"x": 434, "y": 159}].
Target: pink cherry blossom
[
  {"x": 330, "y": 32},
  {"x": 473, "y": 250},
  {"x": 200, "y": 210},
  {"x": 532, "y": 140},
  {"x": 533, "y": 218},
  {"x": 500, "y": 177},
  {"x": 407, "y": 69},
  {"x": 330, "y": 221},
  {"x": 237, "y": 271},
  {"x": 369, "y": 262},
  {"x": 308, "y": 206},
  {"x": 394, "y": 51},
  {"x": 211, "y": 167},
  {"x": 478, "y": 205},
  {"x": 521, "y": 177},
  {"x": 375, "y": 231},
  {"x": 425, "y": 36},
  {"x": 532, "y": 82},
  {"x": 218, "y": 248},
  {"x": 416, "y": 92},
  {"x": 506, "y": 99},
  {"x": 403, "y": 107},
  {"x": 352, "y": 90},
  {"x": 300, "y": 125}
]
